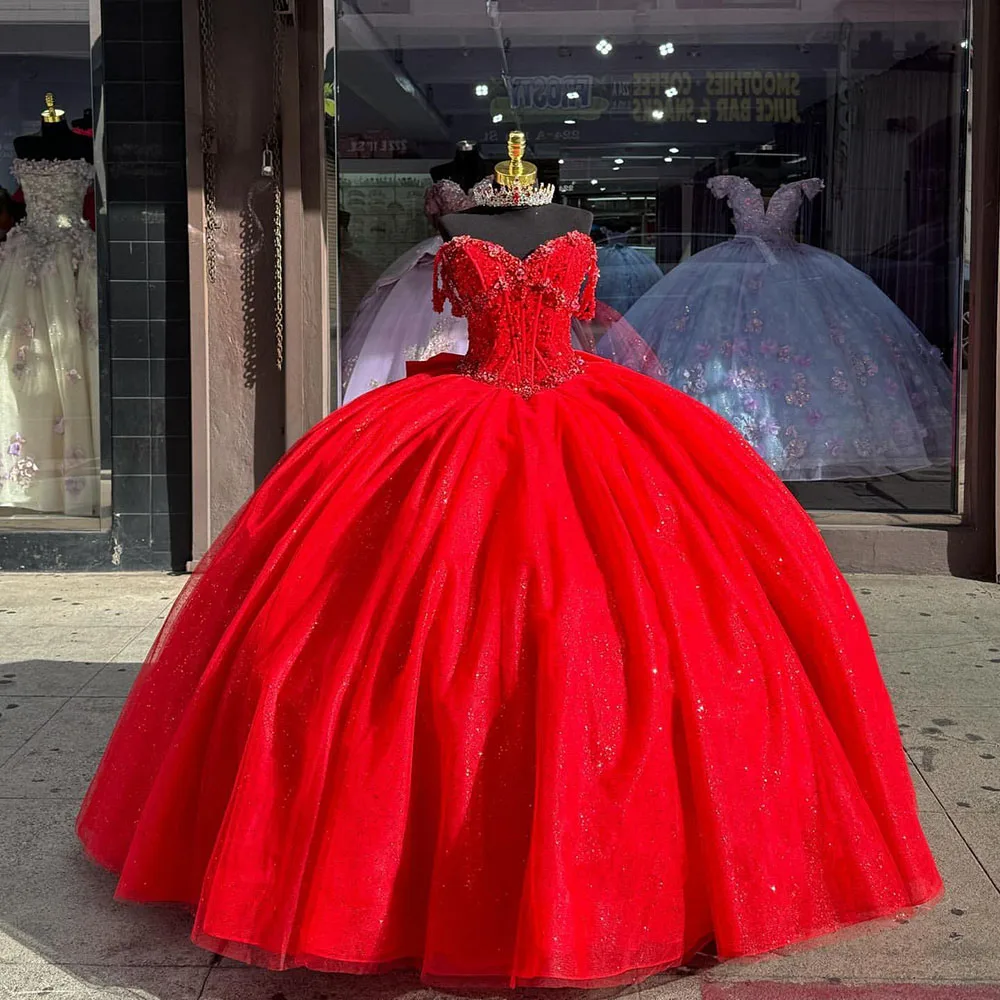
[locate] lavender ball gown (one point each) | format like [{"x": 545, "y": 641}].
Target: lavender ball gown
[
  {"x": 395, "y": 322},
  {"x": 802, "y": 352}
]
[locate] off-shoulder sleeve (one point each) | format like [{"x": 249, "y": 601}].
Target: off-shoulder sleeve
[
  {"x": 724, "y": 185},
  {"x": 445, "y": 289},
  {"x": 588, "y": 293},
  {"x": 812, "y": 187}
]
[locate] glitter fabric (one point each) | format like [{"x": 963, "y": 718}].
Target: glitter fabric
[
  {"x": 518, "y": 311},
  {"x": 800, "y": 351},
  {"x": 513, "y": 684}
]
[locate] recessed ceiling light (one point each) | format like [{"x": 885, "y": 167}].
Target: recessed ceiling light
[
  {"x": 671, "y": 92},
  {"x": 604, "y": 47},
  {"x": 573, "y": 95},
  {"x": 673, "y": 149},
  {"x": 569, "y": 121},
  {"x": 657, "y": 114},
  {"x": 604, "y": 189},
  {"x": 668, "y": 159},
  {"x": 561, "y": 161},
  {"x": 497, "y": 119},
  {"x": 593, "y": 180},
  {"x": 667, "y": 49},
  {"x": 616, "y": 168},
  {"x": 619, "y": 160},
  {"x": 701, "y": 121},
  {"x": 482, "y": 90}
]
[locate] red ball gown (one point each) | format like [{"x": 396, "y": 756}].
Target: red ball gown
[{"x": 522, "y": 670}]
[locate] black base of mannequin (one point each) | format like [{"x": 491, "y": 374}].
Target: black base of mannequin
[{"x": 517, "y": 230}]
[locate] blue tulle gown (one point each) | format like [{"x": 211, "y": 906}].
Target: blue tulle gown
[
  {"x": 627, "y": 273},
  {"x": 803, "y": 353}
]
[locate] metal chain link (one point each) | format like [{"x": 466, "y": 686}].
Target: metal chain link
[
  {"x": 209, "y": 141},
  {"x": 272, "y": 159}
]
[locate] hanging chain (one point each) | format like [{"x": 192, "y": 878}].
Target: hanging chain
[
  {"x": 209, "y": 142},
  {"x": 271, "y": 169}
]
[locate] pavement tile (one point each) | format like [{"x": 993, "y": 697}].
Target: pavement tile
[
  {"x": 85, "y": 599},
  {"x": 20, "y": 719},
  {"x": 88, "y": 982},
  {"x": 981, "y": 831},
  {"x": 233, "y": 982},
  {"x": 61, "y": 757},
  {"x": 944, "y": 671},
  {"x": 115, "y": 679},
  {"x": 957, "y": 751},
  {"x": 57, "y": 907},
  {"x": 843, "y": 991}
]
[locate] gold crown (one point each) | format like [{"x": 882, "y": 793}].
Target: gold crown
[{"x": 514, "y": 182}]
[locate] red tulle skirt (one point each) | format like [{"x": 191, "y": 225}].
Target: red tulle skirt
[{"x": 545, "y": 690}]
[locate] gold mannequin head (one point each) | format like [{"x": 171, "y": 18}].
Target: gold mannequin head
[
  {"x": 51, "y": 115},
  {"x": 515, "y": 172}
]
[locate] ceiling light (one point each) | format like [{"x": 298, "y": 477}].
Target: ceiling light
[
  {"x": 616, "y": 168},
  {"x": 619, "y": 160},
  {"x": 668, "y": 159},
  {"x": 604, "y": 189},
  {"x": 673, "y": 149},
  {"x": 657, "y": 114},
  {"x": 497, "y": 119},
  {"x": 667, "y": 49},
  {"x": 569, "y": 121},
  {"x": 572, "y": 95},
  {"x": 604, "y": 47},
  {"x": 701, "y": 121},
  {"x": 593, "y": 180},
  {"x": 671, "y": 92},
  {"x": 482, "y": 90},
  {"x": 561, "y": 161}
]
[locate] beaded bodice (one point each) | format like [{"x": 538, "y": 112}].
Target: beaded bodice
[
  {"x": 773, "y": 223},
  {"x": 54, "y": 190},
  {"x": 518, "y": 311}
]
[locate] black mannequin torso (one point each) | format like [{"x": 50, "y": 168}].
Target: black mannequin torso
[
  {"x": 517, "y": 230},
  {"x": 466, "y": 168},
  {"x": 56, "y": 141}
]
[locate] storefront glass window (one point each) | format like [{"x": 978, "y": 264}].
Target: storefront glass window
[
  {"x": 49, "y": 371},
  {"x": 779, "y": 196}
]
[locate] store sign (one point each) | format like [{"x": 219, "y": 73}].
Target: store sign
[
  {"x": 372, "y": 145},
  {"x": 759, "y": 95},
  {"x": 548, "y": 97},
  {"x": 747, "y": 95},
  {"x": 546, "y": 93}
]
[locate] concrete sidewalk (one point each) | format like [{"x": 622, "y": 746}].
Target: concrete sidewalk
[{"x": 70, "y": 646}]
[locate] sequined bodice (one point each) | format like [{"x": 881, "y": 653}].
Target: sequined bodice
[
  {"x": 54, "y": 190},
  {"x": 773, "y": 223},
  {"x": 518, "y": 311}
]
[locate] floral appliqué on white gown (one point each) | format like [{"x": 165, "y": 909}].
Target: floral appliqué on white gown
[{"x": 49, "y": 382}]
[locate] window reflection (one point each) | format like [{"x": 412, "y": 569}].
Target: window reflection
[{"x": 823, "y": 320}]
